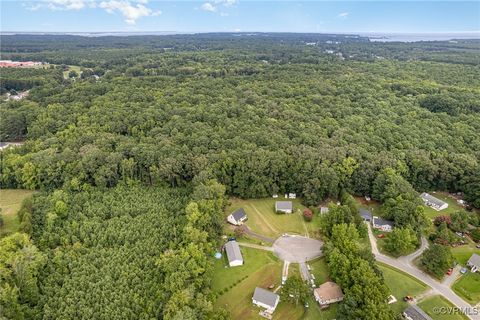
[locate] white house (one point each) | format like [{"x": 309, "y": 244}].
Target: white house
[
  {"x": 328, "y": 293},
  {"x": 237, "y": 217},
  {"x": 265, "y": 299},
  {"x": 234, "y": 254},
  {"x": 474, "y": 262},
  {"x": 381, "y": 224},
  {"x": 284, "y": 206},
  {"x": 433, "y": 202}
]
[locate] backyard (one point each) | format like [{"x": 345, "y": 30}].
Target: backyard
[
  {"x": 431, "y": 304},
  {"x": 401, "y": 285},
  {"x": 10, "y": 202},
  {"x": 468, "y": 287},
  {"x": 452, "y": 205},
  {"x": 263, "y": 219}
]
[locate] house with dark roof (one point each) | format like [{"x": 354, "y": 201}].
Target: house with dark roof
[
  {"x": 382, "y": 224},
  {"x": 265, "y": 299},
  {"x": 415, "y": 313},
  {"x": 237, "y": 217},
  {"x": 433, "y": 202},
  {"x": 366, "y": 215},
  {"x": 234, "y": 255},
  {"x": 474, "y": 262},
  {"x": 328, "y": 293},
  {"x": 283, "y": 206}
]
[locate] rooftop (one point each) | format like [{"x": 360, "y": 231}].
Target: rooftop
[
  {"x": 474, "y": 260},
  {"x": 233, "y": 251},
  {"x": 329, "y": 290},
  {"x": 431, "y": 199},
  {"x": 265, "y": 297},
  {"x": 239, "y": 214},
  {"x": 416, "y": 313},
  {"x": 284, "y": 205},
  {"x": 382, "y": 222}
]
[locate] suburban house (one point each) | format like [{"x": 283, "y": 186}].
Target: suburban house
[
  {"x": 328, "y": 293},
  {"x": 237, "y": 217},
  {"x": 381, "y": 224},
  {"x": 265, "y": 299},
  {"x": 433, "y": 202},
  {"x": 415, "y": 313},
  {"x": 366, "y": 215},
  {"x": 284, "y": 206},
  {"x": 234, "y": 254},
  {"x": 474, "y": 262}
]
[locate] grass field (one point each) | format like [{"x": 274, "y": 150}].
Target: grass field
[
  {"x": 319, "y": 270},
  {"x": 464, "y": 252},
  {"x": 401, "y": 284},
  {"x": 452, "y": 206},
  {"x": 468, "y": 287},
  {"x": 71, "y": 68},
  {"x": 430, "y": 303},
  {"x": 10, "y": 203},
  {"x": 263, "y": 219}
]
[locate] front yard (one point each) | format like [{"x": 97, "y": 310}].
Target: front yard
[
  {"x": 401, "y": 285},
  {"x": 432, "y": 304},
  {"x": 468, "y": 287},
  {"x": 263, "y": 219},
  {"x": 464, "y": 252}
]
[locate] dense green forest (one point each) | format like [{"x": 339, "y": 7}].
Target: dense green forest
[{"x": 134, "y": 156}]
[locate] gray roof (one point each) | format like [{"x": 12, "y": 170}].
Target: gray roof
[
  {"x": 365, "y": 214},
  {"x": 474, "y": 260},
  {"x": 265, "y": 297},
  {"x": 239, "y": 214},
  {"x": 283, "y": 205},
  {"x": 428, "y": 197},
  {"x": 382, "y": 222},
  {"x": 233, "y": 251},
  {"x": 416, "y": 313}
]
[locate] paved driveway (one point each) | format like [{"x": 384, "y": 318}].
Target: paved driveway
[
  {"x": 297, "y": 249},
  {"x": 405, "y": 265}
]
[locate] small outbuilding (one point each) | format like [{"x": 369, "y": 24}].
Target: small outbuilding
[
  {"x": 284, "y": 206},
  {"x": 433, "y": 202},
  {"x": 415, "y": 313},
  {"x": 265, "y": 299},
  {"x": 237, "y": 217},
  {"x": 328, "y": 293},
  {"x": 474, "y": 262},
  {"x": 234, "y": 254},
  {"x": 382, "y": 224}
]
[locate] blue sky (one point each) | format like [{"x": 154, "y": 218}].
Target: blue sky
[{"x": 238, "y": 15}]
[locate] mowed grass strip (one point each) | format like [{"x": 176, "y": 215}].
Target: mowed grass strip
[
  {"x": 263, "y": 219},
  {"x": 10, "y": 203},
  {"x": 431, "y": 306},
  {"x": 401, "y": 285},
  {"x": 468, "y": 287}
]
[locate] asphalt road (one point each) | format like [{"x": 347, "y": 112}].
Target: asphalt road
[
  {"x": 406, "y": 266},
  {"x": 297, "y": 249}
]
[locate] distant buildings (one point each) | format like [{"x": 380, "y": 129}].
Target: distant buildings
[
  {"x": 237, "y": 217},
  {"x": 283, "y": 206},
  {"x": 328, "y": 293},
  {"x": 415, "y": 313},
  {"x": 433, "y": 202},
  {"x": 234, "y": 255},
  {"x": 382, "y": 224},
  {"x": 474, "y": 262},
  {"x": 265, "y": 299},
  {"x": 19, "y": 64}
]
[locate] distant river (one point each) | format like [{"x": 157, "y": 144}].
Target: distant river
[{"x": 413, "y": 37}]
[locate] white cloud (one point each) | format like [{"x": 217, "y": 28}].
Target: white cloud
[
  {"x": 131, "y": 10},
  {"x": 343, "y": 15},
  {"x": 207, "y": 6}
]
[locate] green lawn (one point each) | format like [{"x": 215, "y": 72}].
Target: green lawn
[
  {"x": 452, "y": 205},
  {"x": 401, "y": 284},
  {"x": 429, "y": 304},
  {"x": 263, "y": 219},
  {"x": 10, "y": 202},
  {"x": 319, "y": 270},
  {"x": 71, "y": 68},
  {"x": 468, "y": 287},
  {"x": 464, "y": 252}
]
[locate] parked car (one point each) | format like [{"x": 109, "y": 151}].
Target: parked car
[
  {"x": 407, "y": 298},
  {"x": 449, "y": 272},
  {"x": 464, "y": 270},
  {"x": 232, "y": 239}
]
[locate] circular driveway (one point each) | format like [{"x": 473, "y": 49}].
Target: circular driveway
[{"x": 297, "y": 249}]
